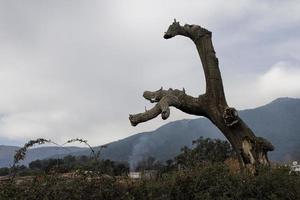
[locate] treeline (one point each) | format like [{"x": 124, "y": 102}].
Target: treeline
[
  {"x": 70, "y": 164},
  {"x": 204, "y": 150}
]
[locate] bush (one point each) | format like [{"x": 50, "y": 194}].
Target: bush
[
  {"x": 4, "y": 171},
  {"x": 83, "y": 163},
  {"x": 205, "y": 150},
  {"x": 213, "y": 181}
]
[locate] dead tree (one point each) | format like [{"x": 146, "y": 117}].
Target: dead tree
[{"x": 251, "y": 150}]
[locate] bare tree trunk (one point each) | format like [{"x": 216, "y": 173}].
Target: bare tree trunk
[{"x": 251, "y": 150}]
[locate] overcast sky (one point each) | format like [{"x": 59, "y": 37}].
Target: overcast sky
[{"x": 77, "y": 68}]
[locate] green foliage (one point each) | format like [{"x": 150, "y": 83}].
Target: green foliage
[
  {"x": 205, "y": 150},
  {"x": 213, "y": 181},
  {"x": 4, "y": 171},
  {"x": 68, "y": 164},
  {"x": 83, "y": 163},
  {"x": 201, "y": 175}
]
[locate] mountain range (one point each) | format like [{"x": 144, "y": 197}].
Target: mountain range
[
  {"x": 278, "y": 121},
  {"x": 7, "y": 153}
]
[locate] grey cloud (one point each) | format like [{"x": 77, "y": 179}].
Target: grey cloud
[{"x": 78, "y": 68}]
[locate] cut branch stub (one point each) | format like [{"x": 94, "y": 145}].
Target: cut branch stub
[
  {"x": 154, "y": 96},
  {"x": 191, "y": 31}
]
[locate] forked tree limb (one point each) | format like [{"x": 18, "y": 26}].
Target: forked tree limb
[
  {"x": 168, "y": 98},
  {"x": 251, "y": 150}
]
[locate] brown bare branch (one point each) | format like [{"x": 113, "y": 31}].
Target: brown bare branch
[{"x": 166, "y": 99}]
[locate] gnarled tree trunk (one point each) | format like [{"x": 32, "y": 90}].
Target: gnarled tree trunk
[{"x": 251, "y": 150}]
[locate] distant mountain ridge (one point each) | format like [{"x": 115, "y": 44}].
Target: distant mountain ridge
[
  {"x": 278, "y": 121},
  {"x": 7, "y": 153}
]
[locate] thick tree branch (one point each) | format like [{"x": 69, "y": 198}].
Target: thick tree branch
[
  {"x": 202, "y": 39},
  {"x": 166, "y": 99}
]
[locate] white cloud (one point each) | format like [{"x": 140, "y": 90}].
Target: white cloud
[
  {"x": 282, "y": 79},
  {"x": 248, "y": 90}
]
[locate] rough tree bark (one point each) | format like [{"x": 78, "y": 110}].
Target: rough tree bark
[{"x": 251, "y": 150}]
